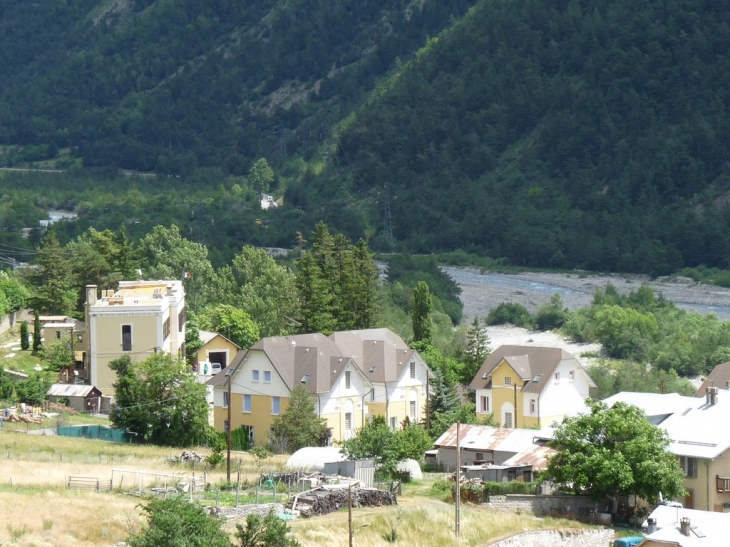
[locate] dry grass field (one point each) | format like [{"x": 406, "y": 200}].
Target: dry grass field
[{"x": 36, "y": 510}]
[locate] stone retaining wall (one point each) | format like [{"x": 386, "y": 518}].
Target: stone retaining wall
[
  {"x": 544, "y": 505},
  {"x": 558, "y": 538}
]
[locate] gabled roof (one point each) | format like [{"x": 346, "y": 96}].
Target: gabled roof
[
  {"x": 206, "y": 336},
  {"x": 535, "y": 365},
  {"x": 71, "y": 390},
  {"x": 309, "y": 359},
  {"x": 719, "y": 378},
  {"x": 381, "y": 354}
]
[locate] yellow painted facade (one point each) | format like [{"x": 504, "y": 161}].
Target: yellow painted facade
[
  {"x": 109, "y": 344},
  {"x": 260, "y": 417},
  {"x": 217, "y": 344},
  {"x": 702, "y": 489},
  {"x": 507, "y": 397}
]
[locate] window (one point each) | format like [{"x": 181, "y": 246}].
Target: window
[
  {"x": 571, "y": 375},
  {"x": 58, "y": 335},
  {"x": 267, "y": 376},
  {"x": 413, "y": 370},
  {"x": 225, "y": 399},
  {"x": 248, "y": 429},
  {"x": 255, "y": 375},
  {"x": 507, "y": 419},
  {"x": 247, "y": 403},
  {"x": 557, "y": 376},
  {"x": 507, "y": 381},
  {"x": 348, "y": 421},
  {"x": 275, "y": 405},
  {"x": 485, "y": 403},
  {"x": 412, "y": 411},
  {"x": 532, "y": 406},
  {"x": 689, "y": 466},
  {"x": 393, "y": 422},
  {"x": 347, "y": 379},
  {"x": 182, "y": 317},
  {"x": 126, "y": 337},
  {"x": 166, "y": 329}
]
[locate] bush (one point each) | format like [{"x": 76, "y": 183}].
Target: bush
[
  {"x": 24, "y": 333},
  {"x": 514, "y": 314}
]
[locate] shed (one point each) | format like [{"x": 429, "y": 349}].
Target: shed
[
  {"x": 82, "y": 398},
  {"x": 313, "y": 458},
  {"x": 362, "y": 470}
]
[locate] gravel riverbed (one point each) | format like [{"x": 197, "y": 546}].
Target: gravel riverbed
[{"x": 483, "y": 291}]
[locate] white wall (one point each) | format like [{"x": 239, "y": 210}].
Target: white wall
[
  {"x": 564, "y": 397},
  {"x": 243, "y": 379}
]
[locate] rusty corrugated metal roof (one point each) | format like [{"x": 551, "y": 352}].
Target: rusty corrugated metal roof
[{"x": 537, "y": 457}]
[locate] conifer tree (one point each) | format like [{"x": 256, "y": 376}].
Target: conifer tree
[
  {"x": 36, "y": 332},
  {"x": 420, "y": 316},
  {"x": 24, "y": 342},
  {"x": 53, "y": 280},
  {"x": 477, "y": 350}
]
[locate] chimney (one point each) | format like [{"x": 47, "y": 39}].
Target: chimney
[
  {"x": 684, "y": 526},
  {"x": 169, "y": 290},
  {"x": 713, "y": 395},
  {"x": 651, "y": 526},
  {"x": 91, "y": 294}
]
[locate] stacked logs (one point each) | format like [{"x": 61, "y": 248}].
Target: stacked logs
[{"x": 328, "y": 499}]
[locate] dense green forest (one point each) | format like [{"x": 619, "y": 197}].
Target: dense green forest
[{"x": 556, "y": 133}]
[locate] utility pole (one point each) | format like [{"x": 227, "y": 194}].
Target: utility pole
[
  {"x": 428, "y": 402},
  {"x": 349, "y": 511},
  {"x": 228, "y": 429},
  {"x": 458, "y": 478}
]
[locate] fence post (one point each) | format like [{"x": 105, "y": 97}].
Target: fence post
[{"x": 257, "y": 492}]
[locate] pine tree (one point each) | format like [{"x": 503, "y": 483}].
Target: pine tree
[
  {"x": 477, "y": 350},
  {"x": 420, "y": 316},
  {"x": 314, "y": 298},
  {"x": 365, "y": 300},
  {"x": 53, "y": 280}
]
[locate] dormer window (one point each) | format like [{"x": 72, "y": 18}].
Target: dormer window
[{"x": 507, "y": 381}]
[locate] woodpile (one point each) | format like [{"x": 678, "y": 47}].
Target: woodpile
[
  {"x": 186, "y": 456},
  {"x": 328, "y": 499}
]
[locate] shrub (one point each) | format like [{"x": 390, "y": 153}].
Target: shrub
[{"x": 514, "y": 314}]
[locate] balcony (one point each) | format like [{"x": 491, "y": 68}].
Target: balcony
[{"x": 723, "y": 484}]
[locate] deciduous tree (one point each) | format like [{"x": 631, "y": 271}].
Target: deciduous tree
[
  {"x": 614, "y": 451},
  {"x": 159, "y": 401},
  {"x": 233, "y": 323}
]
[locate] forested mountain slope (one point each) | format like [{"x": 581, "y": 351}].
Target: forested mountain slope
[
  {"x": 559, "y": 133},
  {"x": 170, "y": 85}
]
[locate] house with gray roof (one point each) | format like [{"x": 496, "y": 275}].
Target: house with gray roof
[{"x": 531, "y": 386}]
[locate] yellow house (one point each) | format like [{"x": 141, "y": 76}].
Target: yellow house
[
  {"x": 399, "y": 375},
  {"x": 216, "y": 348},
  {"x": 525, "y": 386},
  {"x": 264, "y": 376},
  {"x": 138, "y": 320},
  {"x": 55, "y": 329}
]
